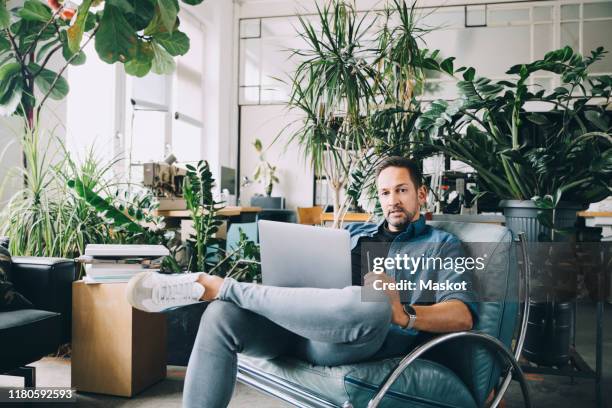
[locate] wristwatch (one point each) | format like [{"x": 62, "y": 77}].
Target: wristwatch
[{"x": 409, "y": 310}]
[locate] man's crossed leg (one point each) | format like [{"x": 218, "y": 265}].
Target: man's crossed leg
[{"x": 321, "y": 326}]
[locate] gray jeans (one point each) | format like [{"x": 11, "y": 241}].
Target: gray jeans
[{"x": 322, "y": 326}]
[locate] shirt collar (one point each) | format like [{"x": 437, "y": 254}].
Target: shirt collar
[{"x": 414, "y": 229}]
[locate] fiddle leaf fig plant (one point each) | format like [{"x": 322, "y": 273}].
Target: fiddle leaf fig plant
[{"x": 143, "y": 35}]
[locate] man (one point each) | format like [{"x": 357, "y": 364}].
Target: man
[{"x": 322, "y": 326}]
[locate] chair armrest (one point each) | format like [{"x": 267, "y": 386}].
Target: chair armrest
[
  {"x": 47, "y": 283},
  {"x": 485, "y": 339}
]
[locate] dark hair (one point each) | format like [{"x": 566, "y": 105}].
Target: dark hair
[{"x": 397, "y": 161}]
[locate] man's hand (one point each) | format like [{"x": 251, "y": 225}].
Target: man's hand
[
  {"x": 398, "y": 316},
  {"x": 372, "y": 277}
]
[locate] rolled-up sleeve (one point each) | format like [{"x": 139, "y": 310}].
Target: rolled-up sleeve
[{"x": 453, "y": 249}]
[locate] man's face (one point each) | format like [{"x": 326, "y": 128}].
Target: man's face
[{"x": 399, "y": 198}]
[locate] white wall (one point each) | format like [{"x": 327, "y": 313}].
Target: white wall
[
  {"x": 269, "y": 8},
  {"x": 265, "y": 123},
  {"x": 52, "y": 135},
  {"x": 220, "y": 106},
  {"x": 10, "y": 158}
]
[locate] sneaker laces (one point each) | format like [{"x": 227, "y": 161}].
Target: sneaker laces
[{"x": 175, "y": 291}]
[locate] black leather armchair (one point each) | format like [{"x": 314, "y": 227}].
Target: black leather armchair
[{"x": 28, "y": 335}]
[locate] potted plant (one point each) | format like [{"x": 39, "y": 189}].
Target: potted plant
[
  {"x": 543, "y": 166},
  {"x": 264, "y": 171},
  {"x": 358, "y": 101}
]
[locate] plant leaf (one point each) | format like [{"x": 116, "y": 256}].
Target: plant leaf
[
  {"x": 101, "y": 205},
  {"x": 45, "y": 80},
  {"x": 142, "y": 14},
  {"x": 168, "y": 11},
  {"x": 600, "y": 120},
  {"x": 469, "y": 74},
  {"x": 163, "y": 63},
  {"x": 75, "y": 32},
  {"x": 5, "y": 17},
  {"x": 115, "y": 40},
  {"x": 447, "y": 65},
  {"x": 140, "y": 65},
  {"x": 35, "y": 10},
  {"x": 11, "y": 88},
  {"x": 176, "y": 43}
]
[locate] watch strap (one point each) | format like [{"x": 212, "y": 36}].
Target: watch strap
[{"x": 409, "y": 310}]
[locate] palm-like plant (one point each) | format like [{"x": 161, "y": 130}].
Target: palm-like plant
[
  {"x": 350, "y": 86},
  {"x": 65, "y": 205},
  {"x": 334, "y": 87}
]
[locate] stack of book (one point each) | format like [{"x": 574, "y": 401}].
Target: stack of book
[{"x": 118, "y": 263}]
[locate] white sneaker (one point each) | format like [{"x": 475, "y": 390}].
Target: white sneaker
[{"x": 156, "y": 292}]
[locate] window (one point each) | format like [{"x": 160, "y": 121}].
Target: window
[
  {"x": 513, "y": 32},
  {"x": 187, "y": 124},
  {"x": 90, "y": 108},
  {"x": 165, "y": 116}
]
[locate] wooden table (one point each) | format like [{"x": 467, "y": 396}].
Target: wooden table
[
  {"x": 594, "y": 214},
  {"x": 116, "y": 349},
  {"x": 224, "y": 212},
  {"x": 348, "y": 217}
]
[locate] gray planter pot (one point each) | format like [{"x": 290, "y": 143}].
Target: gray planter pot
[
  {"x": 547, "y": 341},
  {"x": 521, "y": 216}
]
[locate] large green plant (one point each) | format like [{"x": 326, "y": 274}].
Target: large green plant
[
  {"x": 65, "y": 205},
  {"x": 332, "y": 87},
  {"x": 564, "y": 153},
  {"x": 144, "y": 35},
  {"x": 358, "y": 100}
]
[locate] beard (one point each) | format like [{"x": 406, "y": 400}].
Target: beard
[{"x": 399, "y": 217}]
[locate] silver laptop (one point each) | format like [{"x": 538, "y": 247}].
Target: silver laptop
[{"x": 294, "y": 255}]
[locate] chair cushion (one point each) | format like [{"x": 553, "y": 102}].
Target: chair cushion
[
  {"x": 424, "y": 384},
  {"x": 26, "y": 336},
  {"x": 10, "y": 299}
]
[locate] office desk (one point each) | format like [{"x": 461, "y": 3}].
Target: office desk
[
  {"x": 348, "y": 217},
  {"x": 225, "y": 212}
]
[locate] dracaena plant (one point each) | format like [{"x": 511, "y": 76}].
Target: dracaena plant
[
  {"x": 144, "y": 35},
  {"x": 349, "y": 89},
  {"x": 560, "y": 154}
]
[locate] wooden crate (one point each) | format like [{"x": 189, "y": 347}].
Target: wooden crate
[{"x": 116, "y": 349}]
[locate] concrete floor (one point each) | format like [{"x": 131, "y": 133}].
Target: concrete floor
[
  {"x": 55, "y": 372},
  {"x": 546, "y": 391}
]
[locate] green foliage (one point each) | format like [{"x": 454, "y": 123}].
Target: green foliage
[
  {"x": 358, "y": 100},
  {"x": 142, "y": 34},
  {"x": 197, "y": 191},
  {"x": 245, "y": 261},
  {"x": 66, "y": 205},
  {"x": 564, "y": 153}
]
